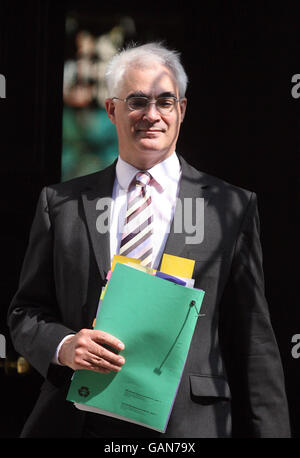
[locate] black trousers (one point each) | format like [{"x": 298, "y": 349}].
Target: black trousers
[{"x": 102, "y": 426}]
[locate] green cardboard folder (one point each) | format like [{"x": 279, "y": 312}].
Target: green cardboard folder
[{"x": 155, "y": 319}]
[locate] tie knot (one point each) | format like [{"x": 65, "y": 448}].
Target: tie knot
[{"x": 142, "y": 179}]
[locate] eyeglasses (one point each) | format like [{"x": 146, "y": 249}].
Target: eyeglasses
[{"x": 163, "y": 104}]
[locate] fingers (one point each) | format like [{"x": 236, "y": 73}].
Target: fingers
[
  {"x": 103, "y": 337},
  {"x": 97, "y": 350},
  {"x": 98, "y": 353},
  {"x": 106, "y": 362}
]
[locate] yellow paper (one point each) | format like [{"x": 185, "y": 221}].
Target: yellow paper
[
  {"x": 103, "y": 291},
  {"x": 174, "y": 265},
  {"x": 148, "y": 270},
  {"x": 123, "y": 260}
]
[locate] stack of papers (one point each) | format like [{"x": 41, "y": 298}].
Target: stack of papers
[{"x": 154, "y": 314}]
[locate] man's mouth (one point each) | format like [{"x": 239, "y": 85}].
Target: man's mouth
[{"x": 150, "y": 130}]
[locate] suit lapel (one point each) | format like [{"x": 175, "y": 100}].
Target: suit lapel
[
  {"x": 96, "y": 202},
  {"x": 193, "y": 184}
]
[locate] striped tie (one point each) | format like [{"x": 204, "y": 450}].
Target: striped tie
[{"x": 136, "y": 237}]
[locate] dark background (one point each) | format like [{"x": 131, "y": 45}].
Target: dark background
[{"x": 242, "y": 125}]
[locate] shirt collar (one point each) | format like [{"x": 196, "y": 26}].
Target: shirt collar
[{"x": 163, "y": 172}]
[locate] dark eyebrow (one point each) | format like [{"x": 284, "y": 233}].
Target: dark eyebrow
[
  {"x": 167, "y": 94},
  {"x": 142, "y": 94},
  {"x": 137, "y": 94}
]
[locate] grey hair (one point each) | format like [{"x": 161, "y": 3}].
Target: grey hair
[{"x": 142, "y": 56}]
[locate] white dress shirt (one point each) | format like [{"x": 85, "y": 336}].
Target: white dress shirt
[{"x": 164, "y": 192}]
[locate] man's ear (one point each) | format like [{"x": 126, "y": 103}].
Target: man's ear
[
  {"x": 182, "y": 103},
  {"x": 110, "y": 109}
]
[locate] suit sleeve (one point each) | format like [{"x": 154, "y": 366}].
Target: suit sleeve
[
  {"x": 33, "y": 316},
  {"x": 253, "y": 363}
]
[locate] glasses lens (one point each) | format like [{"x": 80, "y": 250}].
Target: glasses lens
[
  {"x": 137, "y": 103},
  {"x": 165, "y": 104}
]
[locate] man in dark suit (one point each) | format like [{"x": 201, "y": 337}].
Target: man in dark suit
[{"x": 233, "y": 382}]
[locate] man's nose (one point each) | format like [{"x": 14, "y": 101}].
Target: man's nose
[{"x": 151, "y": 112}]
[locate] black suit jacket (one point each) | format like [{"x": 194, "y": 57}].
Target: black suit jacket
[{"x": 233, "y": 381}]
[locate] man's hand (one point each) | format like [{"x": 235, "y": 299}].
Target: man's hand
[{"x": 85, "y": 350}]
